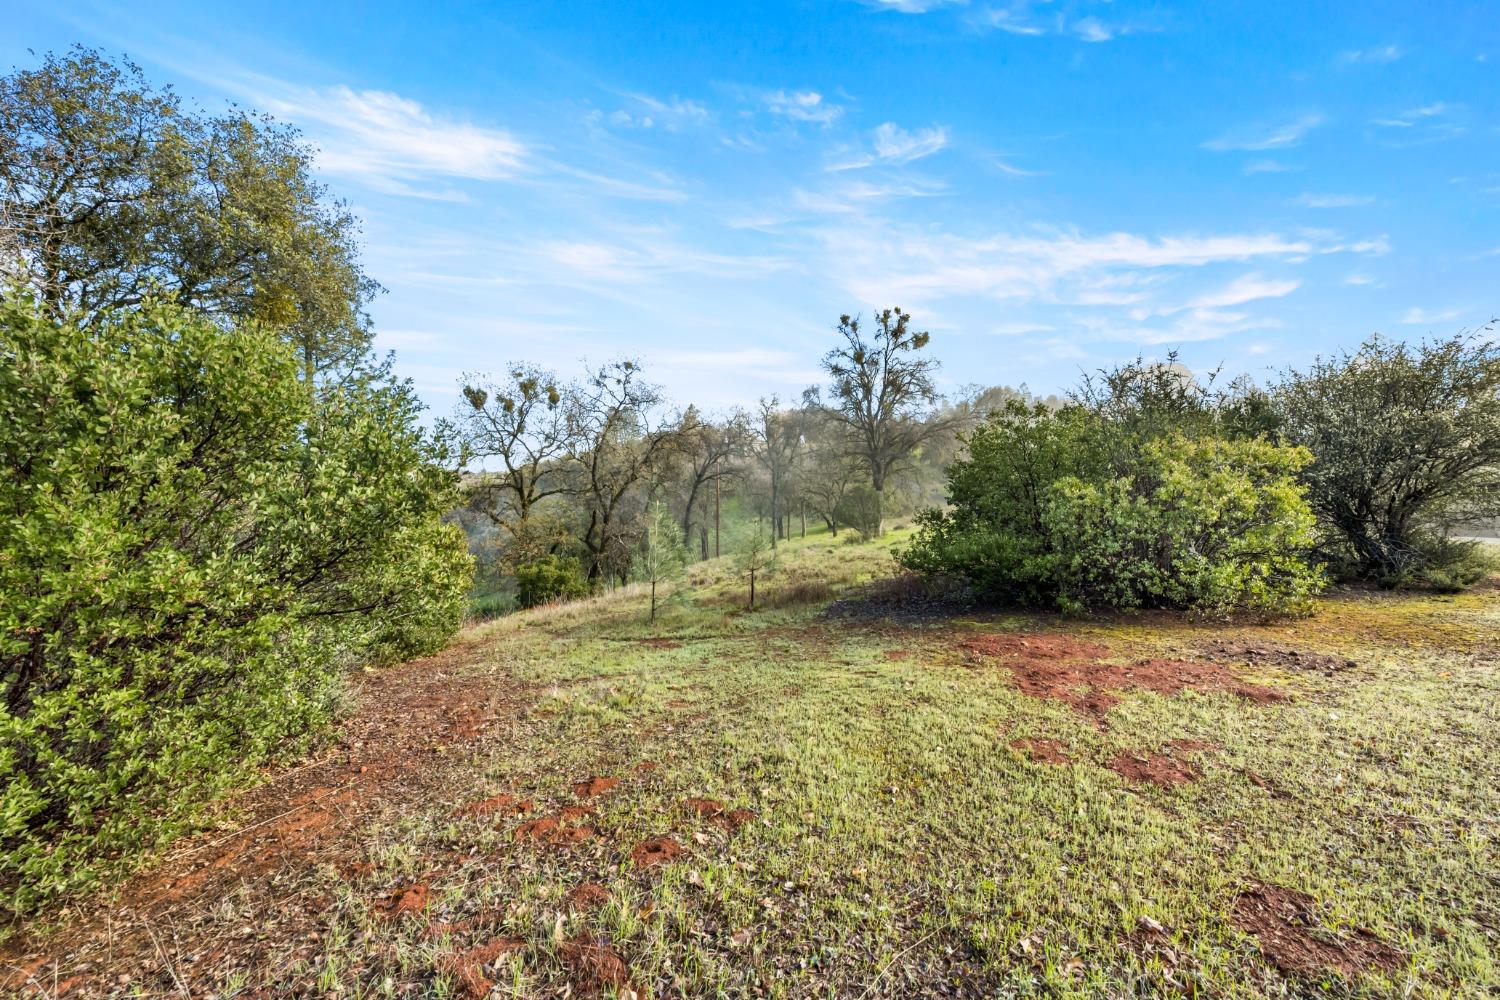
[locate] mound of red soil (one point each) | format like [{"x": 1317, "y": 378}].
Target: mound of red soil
[
  {"x": 1155, "y": 768},
  {"x": 1284, "y": 923},
  {"x": 468, "y": 966},
  {"x": 410, "y": 899},
  {"x": 502, "y": 804},
  {"x": 1272, "y": 655},
  {"x": 587, "y": 896},
  {"x": 595, "y": 785},
  {"x": 558, "y": 829},
  {"x": 1043, "y": 751},
  {"x": 707, "y": 808},
  {"x": 735, "y": 818},
  {"x": 656, "y": 851},
  {"x": 1039, "y": 646},
  {"x": 593, "y": 963}
]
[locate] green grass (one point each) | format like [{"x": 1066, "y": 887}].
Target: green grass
[{"x": 903, "y": 847}]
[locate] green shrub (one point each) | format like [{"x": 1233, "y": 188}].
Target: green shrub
[
  {"x": 193, "y": 543},
  {"x": 994, "y": 534},
  {"x": 1060, "y": 508},
  {"x": 550, "y": 578},
  {"x": 1210, "y": 525},
  {"x": 860, "y": 509}
]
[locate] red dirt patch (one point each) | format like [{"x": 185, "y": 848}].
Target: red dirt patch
[
  {"x": 707, "y": 808},
  {"x": 410, "y": 899},
  {"x": 895, "y": 655},
  {"x": 1156, "y": 768},
  {"x": 735, "y": 818},
  {"x": 571, "y": 813},
  {"x": 593, "y": 963},
  {"x": 557, "y": 829},
  {"x": 468, "y": 966},
  {"x": 647, "y": 766},
  {"x": 1043, "y": 751},
  {"x": 656, "y": 851},
  {"x": 1060, "y": 668},
  {"x": 593, "y": 786},
  {"x": 504, "y": 805},
  {"x": 587, "y": 896},
  {"x": 1283, "y": 922}
]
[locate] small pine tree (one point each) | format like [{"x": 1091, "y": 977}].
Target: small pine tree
[
  {"x": 663, "y": 556},
  {"x": 756, "y": 556}
]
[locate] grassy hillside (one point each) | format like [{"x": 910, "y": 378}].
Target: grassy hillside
[{"x": 873, "y": 800}]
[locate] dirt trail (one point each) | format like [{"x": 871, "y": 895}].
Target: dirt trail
[{"x": 245, "y": 897}]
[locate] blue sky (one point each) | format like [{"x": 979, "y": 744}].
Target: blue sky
[{"x": 1047, "y": 187}]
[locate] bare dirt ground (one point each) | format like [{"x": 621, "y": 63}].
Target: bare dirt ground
[{"x": 167, "y": 930}]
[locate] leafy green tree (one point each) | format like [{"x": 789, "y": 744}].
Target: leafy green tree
[
  {"x": 111, "y": 191},
  {"x": 1405, "y": 439},
  {"x": 194, "y": 543},
  {"x": 882, "y": 391}
]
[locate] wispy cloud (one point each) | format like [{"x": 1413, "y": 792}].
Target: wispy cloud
[
  {"x": 1091, "y": 29},
  {"x": 1421, "y": 125},
  {"x": 381, "y": 136},
  {"x": 1377, "y": 55},
  {"x": 1042, "y": 17},
  {"x": 911, "y": 6},
  {"x": 892, "y": 144},
  {"x": 1416, "y": 316},
  {"x": 1268, "y": 167},
  {"x": 1246, "y": 288},
  {"x": 1310, "y": 200},
  {"x": 1273, "y": 137},
  {"x": 802, "y": 106},
  {"x": 672, "y": 113}
]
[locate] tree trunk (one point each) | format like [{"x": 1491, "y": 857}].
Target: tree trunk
[
  {"x": 653, "y": 600},
  {"x": 752, "y": 590}
]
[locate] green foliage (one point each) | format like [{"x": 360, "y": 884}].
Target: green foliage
[
  {"x": 860, "y": 509},
  {"x": 193, "y": 543},
  {"x": 1211, "y": 525},
  {"x": 755, "y": 556},
  {"x": 1405, "y": 440},
  {"x": 995, "y": 535},
  {"x": 550, "y": 578},
  {"x": 1051, "y": 507},
  {"x": 111, "y": 190},
  {"x": 664, "y": 555}
]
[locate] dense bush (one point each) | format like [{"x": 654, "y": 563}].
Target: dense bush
[
  {"x": 193, "y": 542},
  {"x": 1212, "y": 525},
  {"x": 550, "y": 578},
  {"x": 1405, "y": 441},
  {"x": 995, "y": 533},
  {"x": 1060, "y": 507},
  {"x": 861, "y": 510}
]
